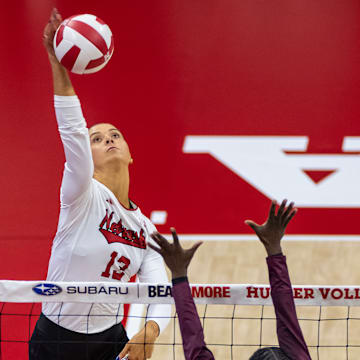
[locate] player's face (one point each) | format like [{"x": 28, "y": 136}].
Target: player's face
[{"x": 108, "y": 146}]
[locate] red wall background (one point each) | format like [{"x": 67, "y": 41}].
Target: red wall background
[{"x": 249, "y": 68}]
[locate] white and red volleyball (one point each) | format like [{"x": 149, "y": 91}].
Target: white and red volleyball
[{"x": 83, "y": 44}]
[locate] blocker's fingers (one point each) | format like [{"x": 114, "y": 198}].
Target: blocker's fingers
[
  {"x": 290, "y": 217},
  {"x": 272, "y": 209},
  {"x": 252, "y": 224},
  {"x": 175, "y": 237},
  {"x": 281, "y": 208},
  {"x": 160, "y": 240},
  {"x": 155, "y": 237},
  {"x": 155, "y": 248},
  {"x": 195, "y": 247},
  {"x": 288, "y": 210}
]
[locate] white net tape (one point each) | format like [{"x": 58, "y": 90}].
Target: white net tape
[
  {"x": 141, "y": 293},
  {"x": 237, "y": 318}
]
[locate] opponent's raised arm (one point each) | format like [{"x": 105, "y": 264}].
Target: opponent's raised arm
[
  {"x": 272, "y": 230},
  {"x": 178, "y": 259},
  {"x": 61, "y": 80},
  {"x": 270, "y": 233}
]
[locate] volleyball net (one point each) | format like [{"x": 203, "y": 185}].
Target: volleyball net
[{"x": 237, "y": 319}]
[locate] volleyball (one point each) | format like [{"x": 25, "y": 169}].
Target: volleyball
[{"x": 83, "y": 44}]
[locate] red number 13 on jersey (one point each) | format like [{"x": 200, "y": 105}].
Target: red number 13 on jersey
[{"x": 117, "y": 275}]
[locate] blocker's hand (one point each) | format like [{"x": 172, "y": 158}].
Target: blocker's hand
[
  {"x": 49, "y": 32},
  {"x": 176, "y": 258},
  {"x": 271, "y": 232},
  {"x": 141, "y": 346}
]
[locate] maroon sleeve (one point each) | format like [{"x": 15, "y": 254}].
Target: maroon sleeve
[
  {"x": 190, "y": 326},
  {"x": 290, "y": 337}
]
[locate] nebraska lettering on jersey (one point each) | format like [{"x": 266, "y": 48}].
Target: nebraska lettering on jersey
[{"x": 115, "y": 232}]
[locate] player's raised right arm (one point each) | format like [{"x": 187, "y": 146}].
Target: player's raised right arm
[
  {"x": 61, "y": 80},
  {"x": 74, "y": 134}
]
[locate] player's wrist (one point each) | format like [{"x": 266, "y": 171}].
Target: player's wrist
[
  {"x": 53, "y": 59},
  {"x": 178, "y": 280},
  {"x": 179, "y": 273},
  {"x": 273, "y": 250}
]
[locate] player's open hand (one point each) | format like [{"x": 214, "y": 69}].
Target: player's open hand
[
  {"x": 141, "y": 345},
  {"x": 175, "y": 257},
  {"x": 49, "y": 32},
  {"x": 271, "y": 232}
]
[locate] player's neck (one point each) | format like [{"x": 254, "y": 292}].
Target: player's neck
[{"x": 116, "y": 181}]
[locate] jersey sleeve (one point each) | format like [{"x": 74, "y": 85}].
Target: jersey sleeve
[
  {"x": 290, "y": 337},
  {"x": 152, "y": 270},
  {"x": 191, "y": 330},
  {"x": 74, "y": 135}
]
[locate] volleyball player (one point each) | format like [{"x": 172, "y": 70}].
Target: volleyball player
[
  {"x": 290, "y": 337},
  {"x": 102, "y": 236}
]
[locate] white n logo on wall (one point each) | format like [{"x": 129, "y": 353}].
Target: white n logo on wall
[{"x": 262, "y": 161}]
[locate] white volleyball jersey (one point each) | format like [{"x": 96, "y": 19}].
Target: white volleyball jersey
[{"x": 97, "y": 238}]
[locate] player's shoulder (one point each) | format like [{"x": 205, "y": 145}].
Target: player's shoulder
[{"x": 150, "y": 227}]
